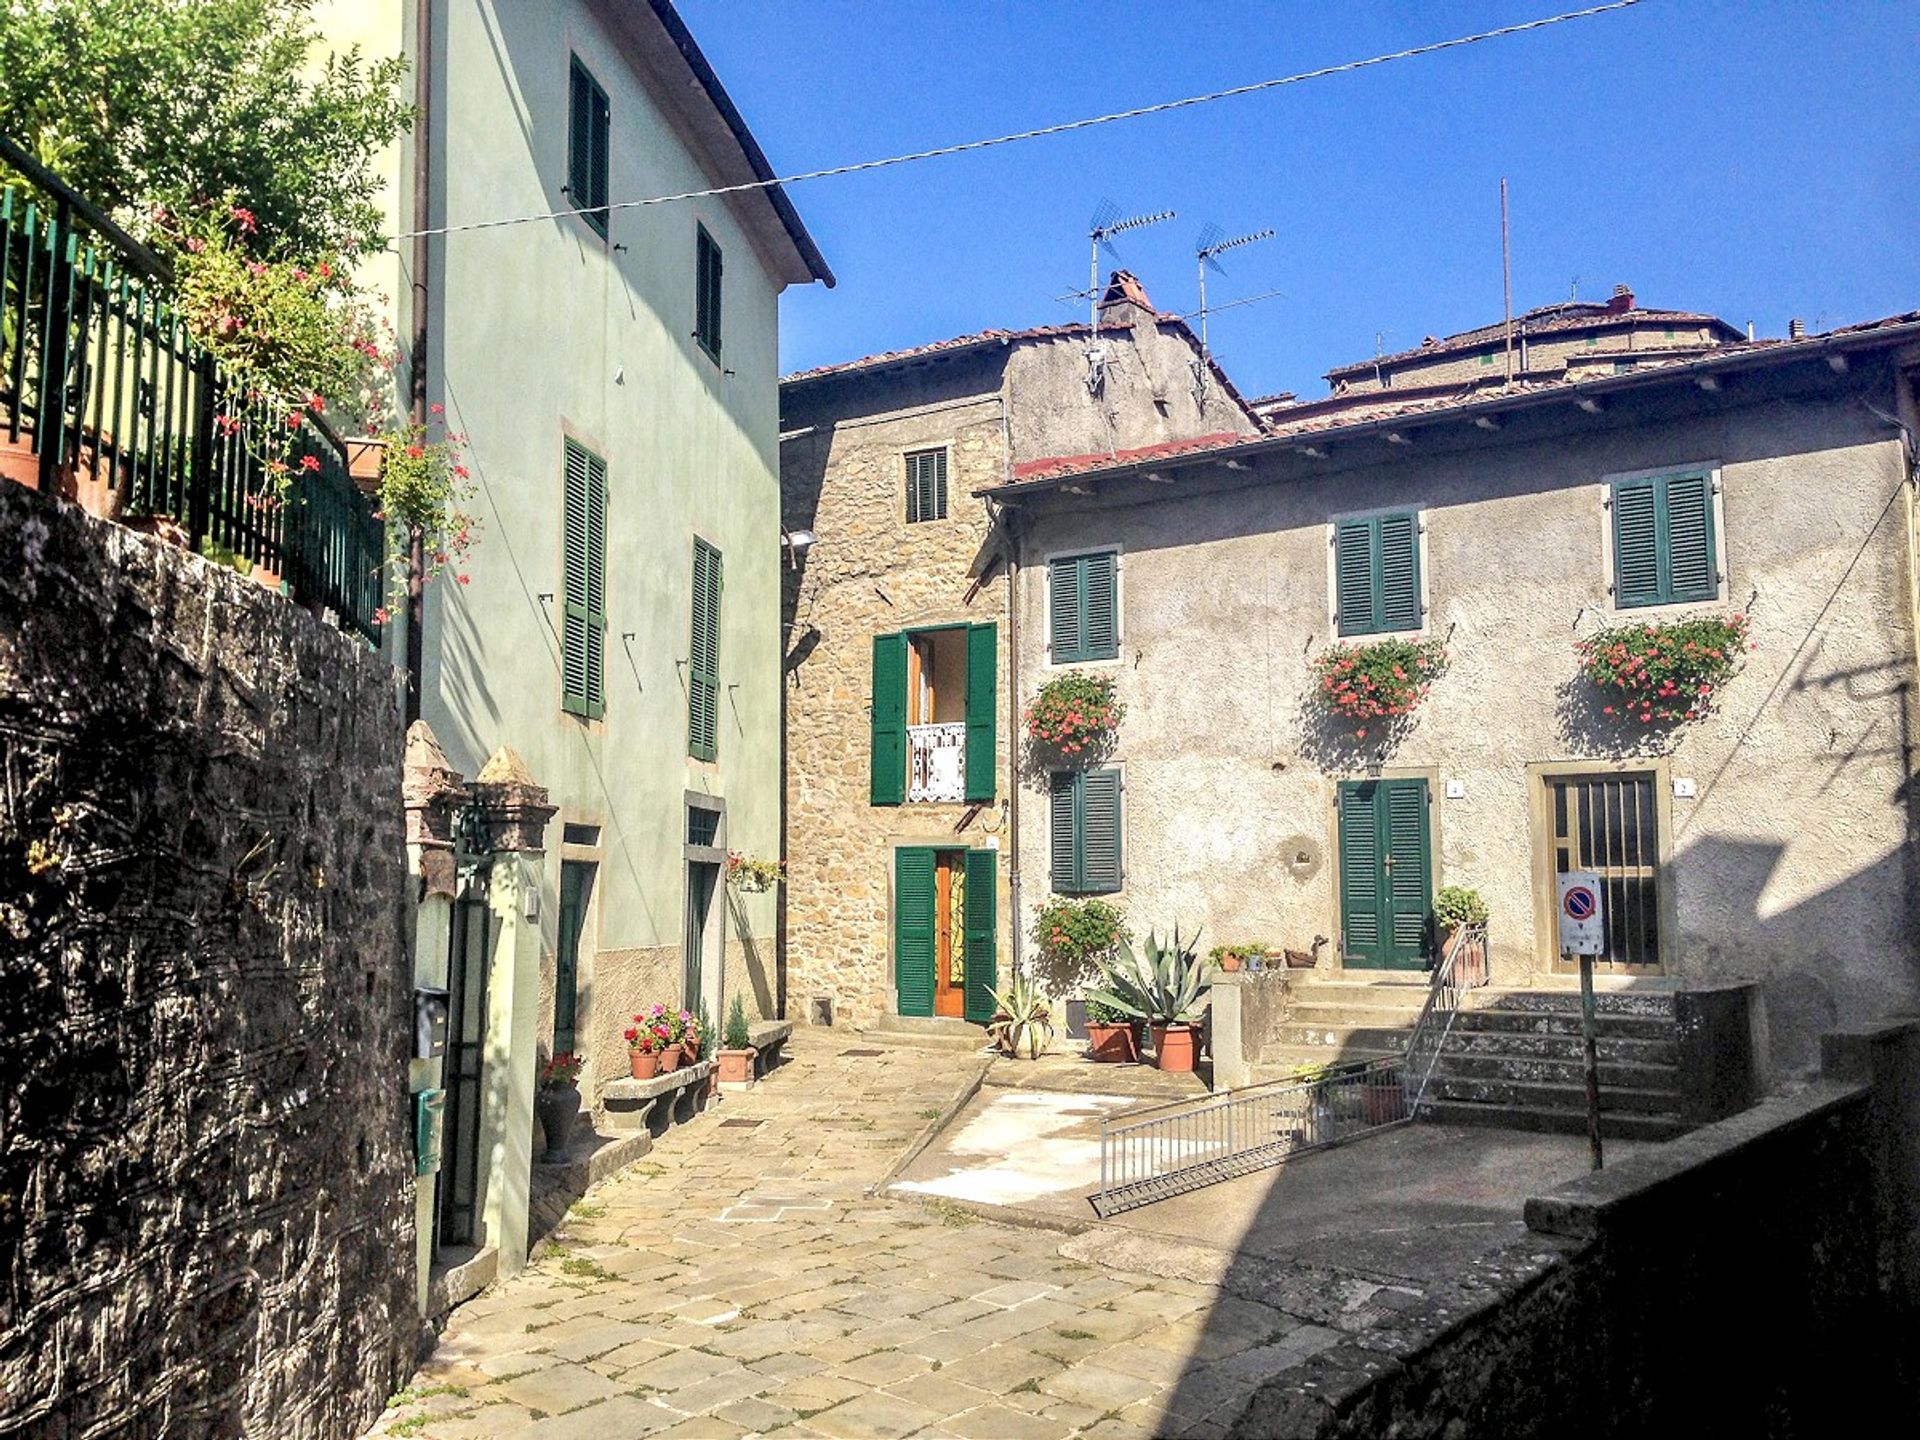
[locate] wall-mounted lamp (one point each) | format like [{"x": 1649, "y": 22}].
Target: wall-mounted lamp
[{"x": 796, "y": 543}]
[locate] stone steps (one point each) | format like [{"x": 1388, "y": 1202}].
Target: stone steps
[
  {"x": 1508, "y": 1093},
  {"x": 938, "y": 1032},
  {"x": 1561, "y": 1071},
  {"x": 1528, "y": 1045},
  {"x": 1614, "y": 1125}
]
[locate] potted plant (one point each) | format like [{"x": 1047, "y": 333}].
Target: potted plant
[
  {"x": 693, "y": 1033},
  {"x": 557, "y": 1103},
  {"x": 1112, "y": 1038},
  {"x": 668, "y": 1033},
  {"x": 737, "y": 1053},
  {"x": 643, "y": 1049},
  {"x": 1074, "y": 936},
  {"x": 1161, "y": 987},
  {"x": 1022, "y": 1023},
  {"x": 1251, "y": 956},
  {"x": 1074, "y": 717},
  {"x": 1457, "y": 908},
  {"x": 1664, "y": 674},
  {"x": 753, "y": 876},
  {"x": 1383, "y": 1094},
  {"x": 1377, "y": 683}
]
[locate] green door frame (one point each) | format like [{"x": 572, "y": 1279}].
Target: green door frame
[{"x": 1385, "y": 827}]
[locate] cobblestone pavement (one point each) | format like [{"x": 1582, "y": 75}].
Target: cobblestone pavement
[{"x": 740, "y": 1281}]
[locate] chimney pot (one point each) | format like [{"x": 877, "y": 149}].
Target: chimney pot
[
  {"x": 1796, "y": 329},
  {"x": 1622, "y": 299}
]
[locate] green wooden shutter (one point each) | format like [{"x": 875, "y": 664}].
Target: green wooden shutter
[
  {"x": 1100, "y": 633},
  {"x": 980, "y": 929},
  {"x": 1408, "y": 884},
  {"x": 588, "y": 123},
  {"x": 584, "y": 570},
  {"x": 1063, "y": 609},
  {"x": 1360, "y": 929},
  {"x": 707, "y": 288},
  {"x": 1100, "y": 868},
  {"x": 1398, "y": 605},
  {"x": 914, "y": 920},
  {"x": 887, "y": 751},
  {"x": 1353, "y": 576},
  {"x": 1636, "y": 543},
  {"x": 926, "y": 486},
  {"x": 1692, "y": 567},
  {"x": 1062, "y": 831},
  {"x": 703, "y": 666},
  {"x": 983, "y": 694}
]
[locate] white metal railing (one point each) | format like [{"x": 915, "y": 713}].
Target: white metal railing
[{"x": 937, "y": 761}]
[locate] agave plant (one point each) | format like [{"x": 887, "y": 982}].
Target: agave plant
[
  {"x": 1022, "y": 1022},
  {"x": 1161, "y": 986}
]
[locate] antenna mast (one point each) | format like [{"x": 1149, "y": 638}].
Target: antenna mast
[
  {"x": 1211, "y": 243},
  {"x": 1105, "y": 224}
]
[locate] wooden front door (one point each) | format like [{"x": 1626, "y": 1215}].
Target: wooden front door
[
  {"x": 1386, "y": 874},
  {"x": 944, "y": 932}
]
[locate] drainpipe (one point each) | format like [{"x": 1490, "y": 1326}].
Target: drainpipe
[
  {"x": 417, "y": 368},
  {"x": 1013, "y": 726}
]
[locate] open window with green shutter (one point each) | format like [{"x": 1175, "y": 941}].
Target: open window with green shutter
[
  {"x": 703, "y": 658},
  {"x": 584, "y": 584},
  {"x": 1665, "y": 550},
  {"x": 1084, "y": 822},
  {"x": 934, "y": 726},
  {"x": 1376, "y": 574},
  {"x": 587, "y": 146},
  {"x": 1083, "y": 607}
]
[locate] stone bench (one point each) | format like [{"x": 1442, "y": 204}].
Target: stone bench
[
  {"x": 769, "y": 1039},
  {"x": 652, "y": 1105}
]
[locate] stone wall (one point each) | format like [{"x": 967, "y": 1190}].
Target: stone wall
[
  {"x": 206, "y": 1194},
  {"x": 1753, "y": 1278}
]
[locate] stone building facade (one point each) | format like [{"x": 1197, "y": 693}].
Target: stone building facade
[
  {"x": 882, "y": 462},
  {"x": 1771, "y": 840}
]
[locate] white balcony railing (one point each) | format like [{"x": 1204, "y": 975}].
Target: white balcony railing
[{"x": 937, "y": 762}]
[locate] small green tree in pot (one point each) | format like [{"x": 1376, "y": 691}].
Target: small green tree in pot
[
  {"x": 737, "y": 1052},
  {"x": 1458, "y": 913},
  {"x": 1162, "y": 987}
]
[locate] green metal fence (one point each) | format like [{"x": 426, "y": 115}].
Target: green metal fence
[{"x": 101, "y": 383}]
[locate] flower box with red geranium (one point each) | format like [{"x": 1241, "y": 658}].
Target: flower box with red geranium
[
  {"x": 1075, "y": 716},
  {"x": 1373, "y": 685},
  {"x": 1664, "y": 674}
]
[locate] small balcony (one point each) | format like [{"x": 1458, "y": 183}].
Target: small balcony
[{"x": 937, "y": 762}]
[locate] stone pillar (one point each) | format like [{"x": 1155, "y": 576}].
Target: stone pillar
[
  {"x": 514, "y": 813},
  {"x": 1715, "y": 1061},
  {"x": 1225, "y": 1022},
  {"x": 430, "y": 792}
]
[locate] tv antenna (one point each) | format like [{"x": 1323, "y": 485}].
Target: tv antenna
[
  {"x": 1101, "y": 228},
  {"x": 1211, "y": 244}
]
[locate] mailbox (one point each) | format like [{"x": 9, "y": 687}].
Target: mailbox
[
  {"x": 429, "y": 1116},
  {"x": 429, "y": 1022}
]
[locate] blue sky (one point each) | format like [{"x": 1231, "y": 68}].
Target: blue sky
[{"x": 1758, "y": 160}]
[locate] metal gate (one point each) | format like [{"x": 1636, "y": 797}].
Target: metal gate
[{"x": 470, "y": 942}]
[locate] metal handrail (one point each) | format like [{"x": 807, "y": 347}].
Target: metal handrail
[{"x": 1430, "y": 1031}]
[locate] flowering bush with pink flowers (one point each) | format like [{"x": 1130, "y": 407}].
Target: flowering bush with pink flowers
[
  {"x": 1664, "y": 673},
  {"x": 1377, "y": 683},
  {"x": 425, "y": 486},
  {"x": 1074, "y": 714}
]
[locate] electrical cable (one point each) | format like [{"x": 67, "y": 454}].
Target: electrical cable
[{"x": 1062, "y": 128}]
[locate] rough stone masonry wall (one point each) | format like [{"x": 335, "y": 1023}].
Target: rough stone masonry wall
[{"x": 206, "y": 1216}]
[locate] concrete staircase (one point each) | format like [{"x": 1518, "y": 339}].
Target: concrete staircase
[
  {"x": 937, "y": 1032},
  {"x": 1513, "y": 1057}
]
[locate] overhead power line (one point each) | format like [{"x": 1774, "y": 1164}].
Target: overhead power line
[{"x": 1065, "y": 127}]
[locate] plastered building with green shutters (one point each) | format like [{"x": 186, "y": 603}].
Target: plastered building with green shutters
[
  {"x": 901, "y": 738},
  {"x": 1767, "y": 839}
]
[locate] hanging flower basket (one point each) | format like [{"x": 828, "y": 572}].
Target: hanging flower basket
[
  {"x": 1074, "y": 715},
  {"x": 751, "y": 875},
  {"x": 1664, "y": 674},
  {"x": 1373, "y": 685}
]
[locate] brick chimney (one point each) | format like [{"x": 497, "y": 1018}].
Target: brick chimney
[
  {"x": 1123, "y": 288},
  {"x": 1621, "y": 301},
  {"x": 1796, "y": 329}
]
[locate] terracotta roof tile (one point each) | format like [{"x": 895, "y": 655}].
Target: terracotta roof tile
[
  {"x": 1542, "y": 321},
  {"x": 1050, "y": 466}
]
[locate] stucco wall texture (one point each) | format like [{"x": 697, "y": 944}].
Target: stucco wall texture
[
  {"x": 1791, "y": 866},
  {"x": 206, "y": 1180}
]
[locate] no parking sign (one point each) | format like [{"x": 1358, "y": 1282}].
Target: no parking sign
[{"x": 1583, "y": 926}]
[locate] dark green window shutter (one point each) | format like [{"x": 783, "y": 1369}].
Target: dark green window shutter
[
  {"x": 926, "y": 486},
  {"x": 707, "y": 289},
  {"x": 980, "y": 931},
  {"x": 1376, "y": 570},
  {"x": 1084, "y": 821},
  {"x": 983, "y": 693},
  {"x": 584, "y": 602},
  {"x": 887, "y": 754},
  {"x": 703, "y": 664},
  {"x": 914, "y": 920},
  {"x": 1064, "y": 841},
  {"x": 1664, "y": 547},
  {"x": 1084, "y": 607},
  {"x": 587, "y": 146},
  {"x": 1359, "y": 871},
  {"x": 1693, "y": 571},
  {"x": 1407, "y": 885},
  {"x": 576, "y": 883}
]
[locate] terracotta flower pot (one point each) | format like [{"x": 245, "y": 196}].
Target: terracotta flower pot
[
  {"x": 736, "y": 1066},
  {"x": 645, "y": 1065},
  {"x": 1112, "y": 1044},
  {"x": 1175, "y": 1047},
  {"x": 670, "y": 1059},
  {"x": 1383, "y": 1099},
  {"x": 20, "y": 462},
  {"x": 691, "y": 1049}
]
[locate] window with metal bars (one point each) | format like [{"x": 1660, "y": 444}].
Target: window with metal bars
[
  {"x": 584, "y": 584},
  {"x": 703, "y": 660},
  {"x": 1376, "y": 574},
  {"x": 926, "y": 486},
  {"x": 1609, "y": 824},
  {"x": 587, "y": 149},
  {"x": 707, "y": 269}
]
